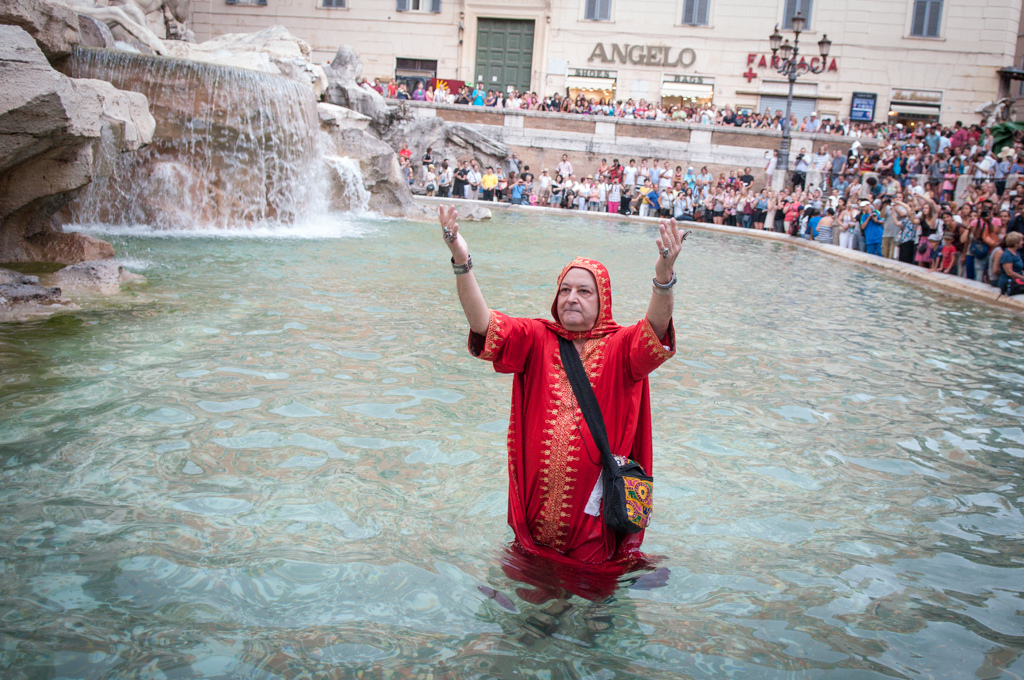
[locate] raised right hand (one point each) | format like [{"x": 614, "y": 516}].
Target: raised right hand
[{"x": 450, "y": 232}]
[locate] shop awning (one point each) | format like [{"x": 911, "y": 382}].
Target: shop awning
[
  {"x": 687, "y": 90},
  {"x": 916, "y": 110},
  {"x": 582, "y": 83}
]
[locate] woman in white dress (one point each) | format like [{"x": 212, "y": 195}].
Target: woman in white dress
[
  {"x": 771, "y": 162},
  {"x": 773, "y": 205},
  {"x": 847, "y": 223}
]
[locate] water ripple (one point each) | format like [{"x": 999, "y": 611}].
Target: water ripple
[{"x": 279, "y": 464}]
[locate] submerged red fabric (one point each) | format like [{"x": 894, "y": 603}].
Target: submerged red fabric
[{"x": 553, "y": 463}]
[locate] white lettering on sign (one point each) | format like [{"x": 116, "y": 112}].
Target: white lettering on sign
[
  {"x": 930, "y": 96},
  {"x": 592, "y": 73},
  {"x": 689, "y": 80}
]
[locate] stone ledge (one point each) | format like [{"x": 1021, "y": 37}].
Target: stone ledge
[
  {"x": 775, "y": 135},
  {"x": 945, "y": 283}
]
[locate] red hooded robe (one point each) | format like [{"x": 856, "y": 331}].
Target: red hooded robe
[{"x": 553, "y": 463}]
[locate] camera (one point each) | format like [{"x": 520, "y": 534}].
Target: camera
[{"x": 984, "y": 214}]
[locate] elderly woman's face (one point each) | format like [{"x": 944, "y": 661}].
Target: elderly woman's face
[{"x": 578, "y": 301}]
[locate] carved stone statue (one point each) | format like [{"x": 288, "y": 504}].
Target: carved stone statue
[
  {"x": 994, "y": 113},
  {"x": 130, "y": 16}
]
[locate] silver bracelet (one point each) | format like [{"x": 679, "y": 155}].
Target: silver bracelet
[
  {"x": 664, "y": 286},
  {"x": 461, "y": 269}
]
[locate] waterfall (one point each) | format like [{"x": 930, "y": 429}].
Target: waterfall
[
  {"x": 348, "y": 190},
  {"x": 233, "y": 148}
]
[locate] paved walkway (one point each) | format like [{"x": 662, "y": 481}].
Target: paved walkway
[{"x": 946, "y": 283}]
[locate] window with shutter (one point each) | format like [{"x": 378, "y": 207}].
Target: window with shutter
[
  {"x": 333, "y": 4},
  {"x": 598, "y": 10},
  {"x": 695, "y": 12},
  {"x": 794, "y": 6},
  {"x": 934, "y": 14},
  {"x": 927, "y": 18},
  {"x": 917, "y": 24},
  {"x": 435, "y": 6},
  {"x": 403, "y": 6}
]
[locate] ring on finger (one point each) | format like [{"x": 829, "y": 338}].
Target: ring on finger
[{"x": 664, "y": 253}]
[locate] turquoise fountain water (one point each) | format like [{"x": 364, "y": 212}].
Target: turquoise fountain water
[{"x": 278, "y": 461}]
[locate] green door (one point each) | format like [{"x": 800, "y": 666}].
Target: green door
[{"x": 504, "y": 54}]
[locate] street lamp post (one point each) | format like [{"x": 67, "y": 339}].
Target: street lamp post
[{"x": 791, "y": 67}]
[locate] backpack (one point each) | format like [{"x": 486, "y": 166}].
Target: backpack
[{"x": 1013, "y": 287}]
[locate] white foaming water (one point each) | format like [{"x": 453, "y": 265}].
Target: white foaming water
[
  {"x": 234, "y": 150},
  {"x": 348, "y": 177},
  {"x": 327, "y": 225},
  {"x": 133, "y": 263}
]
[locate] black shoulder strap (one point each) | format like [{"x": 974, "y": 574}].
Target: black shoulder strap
[{"x": 586, "y": 398}]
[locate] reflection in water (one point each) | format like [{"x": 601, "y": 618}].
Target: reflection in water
[{"x": 278, "y": 459}]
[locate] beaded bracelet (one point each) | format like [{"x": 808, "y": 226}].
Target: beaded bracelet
[
  {"x": 461, "y": 269},
  {"x": 664, "y": 286}
]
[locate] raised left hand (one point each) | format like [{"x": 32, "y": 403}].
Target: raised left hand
[{"x": 670, "y": 243}]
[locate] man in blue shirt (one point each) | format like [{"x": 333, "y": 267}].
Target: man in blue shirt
[
  {"x": 653, "y": 197},
  {"x": 871, "y": 224},
  {"x": 517, "y": 192},
  {"x": 655, "y": 173},
  {"x": 842, "y": 185}
]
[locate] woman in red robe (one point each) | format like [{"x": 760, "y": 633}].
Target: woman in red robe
[{"x": 554, "y": 465}]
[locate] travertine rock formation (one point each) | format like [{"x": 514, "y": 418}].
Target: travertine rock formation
[
  {"x": 344, "y": 74},
  {"x": 52, "y": 24},
  {"x": 56, "y": 135},
  {"x": 272, "y": 50},
  {"x": 389, "y": 194},
  {"x": 102, "y": 276}
]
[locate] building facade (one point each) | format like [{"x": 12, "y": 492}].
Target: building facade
[
  {"x": 896, "y": 60},
  {"x": 1012, "y": 86}
]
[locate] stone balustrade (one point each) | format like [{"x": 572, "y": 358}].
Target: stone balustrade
[{"x": 541, "y": 137}]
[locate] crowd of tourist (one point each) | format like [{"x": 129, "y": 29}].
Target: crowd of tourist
[
  {"x": 901, "y": 201},
  {"x": 704, "y": 114}
]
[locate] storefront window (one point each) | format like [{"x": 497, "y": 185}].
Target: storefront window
[
  {"x": 596, "y": 84},
  {"x": 912, "y": 119},
  {"x": 914, "y": 107},
  {"x": 687, "y": 90},
  {"x": 414, "y": 71}
]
